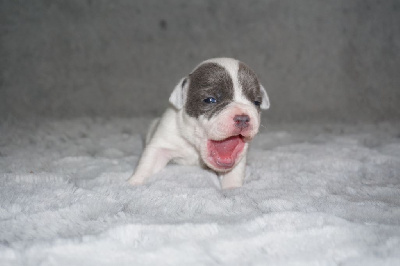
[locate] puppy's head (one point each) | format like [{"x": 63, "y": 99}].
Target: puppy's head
[{"x": 221, "y": 101}]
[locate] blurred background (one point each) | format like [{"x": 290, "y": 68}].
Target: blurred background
[{"x": 329, "y": 61}]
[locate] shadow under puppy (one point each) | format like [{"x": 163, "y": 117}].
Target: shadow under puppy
[{"x": 215, "y": 113}]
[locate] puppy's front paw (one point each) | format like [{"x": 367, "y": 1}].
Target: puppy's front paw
[
  {"x": 135, "y": 181},
  {"x": 230, "y": 185}
]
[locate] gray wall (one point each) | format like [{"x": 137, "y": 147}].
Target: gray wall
[{"x": 319, "y": 60}]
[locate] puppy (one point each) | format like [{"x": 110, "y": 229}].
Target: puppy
[{"x": 214, "y": 114}]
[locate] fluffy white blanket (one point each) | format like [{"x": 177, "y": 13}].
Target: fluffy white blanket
[{"x": 314, "y": 195}]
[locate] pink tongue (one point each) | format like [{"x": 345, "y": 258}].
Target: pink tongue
[{"x": 226, "y": 147}]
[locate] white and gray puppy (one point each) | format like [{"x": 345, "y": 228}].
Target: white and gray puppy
[{"x": 215, "y": 113}]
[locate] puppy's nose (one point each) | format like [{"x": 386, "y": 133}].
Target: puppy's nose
[{"x": 241, "y": 121}]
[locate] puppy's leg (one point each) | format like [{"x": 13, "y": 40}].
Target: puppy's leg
[
  {"x": 152, "y": 161},
  {"x": 235, "y": 177},
  {"x": 152, "y": 129}
]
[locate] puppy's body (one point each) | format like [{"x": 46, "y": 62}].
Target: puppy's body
[{"x": 215, "y": 113}]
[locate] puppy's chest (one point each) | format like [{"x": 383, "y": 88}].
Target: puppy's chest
[{"x": 186, "y": 155}]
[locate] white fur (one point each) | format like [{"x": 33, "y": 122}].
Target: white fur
[
  {"x": 265, "y": 100},
  {"x": 183, "y": 139},
  {"x": 178, "y": 95}
]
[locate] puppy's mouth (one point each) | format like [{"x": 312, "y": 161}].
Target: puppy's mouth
[{"x": 223, "y": 153}]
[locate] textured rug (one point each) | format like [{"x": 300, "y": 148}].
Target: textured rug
[{"x": 313, "y": 195}]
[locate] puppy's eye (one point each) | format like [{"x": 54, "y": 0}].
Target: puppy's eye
[
  {"x": 210, "y": 100},
  {"x": 257, "y": 103}
]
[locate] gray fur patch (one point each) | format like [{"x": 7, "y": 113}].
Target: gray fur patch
[
  {"x": 208, "y": 80},
  {"x": 250, "y": 84}
]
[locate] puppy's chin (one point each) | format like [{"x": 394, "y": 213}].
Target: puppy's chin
[{"x": 223, "y": 155}]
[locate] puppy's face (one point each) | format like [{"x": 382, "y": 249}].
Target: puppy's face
[{"x": 221, "y": 102}]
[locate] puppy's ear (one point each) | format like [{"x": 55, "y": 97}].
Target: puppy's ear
[
  {"x": 265, "y": 100},
  {"x": 178, "y": 96}
]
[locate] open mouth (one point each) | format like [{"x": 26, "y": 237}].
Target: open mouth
[{"x": 223, "y": 153}]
